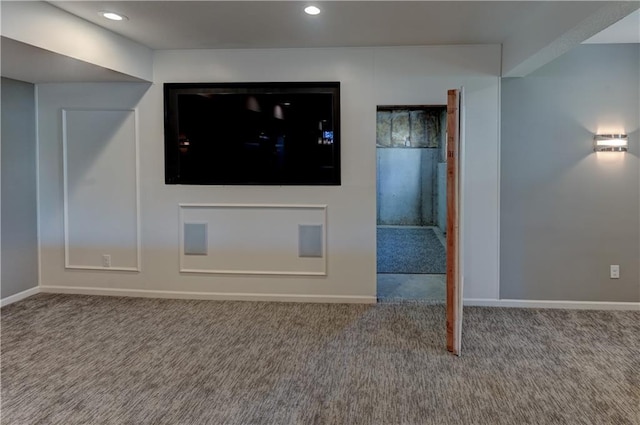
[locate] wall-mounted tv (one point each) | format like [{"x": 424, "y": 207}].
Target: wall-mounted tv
[{"x": 252, "y": 133}]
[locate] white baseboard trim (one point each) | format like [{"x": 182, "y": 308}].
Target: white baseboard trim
[
  {"x": 19, "y": 296},
  {"x": 345, "y": 299},
  {"x": 569, "y": 305},
  {"x": 220, "y": 296}
]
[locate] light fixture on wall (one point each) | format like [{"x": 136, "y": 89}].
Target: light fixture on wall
[{"x": 610, "y": 143}]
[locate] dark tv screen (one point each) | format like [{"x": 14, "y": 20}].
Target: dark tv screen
[{"x": 252, "y": 133}]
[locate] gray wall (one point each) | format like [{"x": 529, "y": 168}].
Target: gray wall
[
  {"x": 406, "y": 185},
  {"x": 19, "y": 222},
  {"x": 566, "y": 212}
]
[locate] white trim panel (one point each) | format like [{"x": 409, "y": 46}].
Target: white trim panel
[
  {"x": 568, "y": 305},
  {"x": 322, "y": 271},
  {"x": 350, "y": 299},
  {"x": 65, "y": 162},
  {"x": 19, "y": 296},
  {"x": 217, "y": 296}
]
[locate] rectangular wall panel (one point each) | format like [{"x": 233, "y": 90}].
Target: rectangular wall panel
[
  {"x": 101, "y": 204},
  {"x": 254, "y": 239}
]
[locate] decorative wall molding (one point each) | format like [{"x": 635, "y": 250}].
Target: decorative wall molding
[
  {"x": 68, "y": 264},
  {"x": 187, "y": 206}
]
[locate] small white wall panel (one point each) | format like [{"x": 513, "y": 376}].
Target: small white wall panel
[
  {"x": 253, "y": 239},
  {"x": 101, "y": 206}
]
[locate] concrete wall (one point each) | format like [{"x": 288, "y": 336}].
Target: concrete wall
[
  {"x": 19, "y": 209},
  {"x": 409, "y": 142},
  {"x": 418, "y": 127},
  {"x": 568, "y": 213},
  {"x": 369, "y": 77},
  {"x": 406, "y": 188}
]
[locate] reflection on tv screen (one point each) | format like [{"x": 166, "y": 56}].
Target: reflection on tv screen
[{"x": 252, "y": 134}]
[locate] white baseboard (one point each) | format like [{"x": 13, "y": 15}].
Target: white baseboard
[
  {"x": 569, "y": 305},
  {"x": 145, "y": 293},
  {"x": 346, "y": 299},
  {"x": 19, "y": 296}
]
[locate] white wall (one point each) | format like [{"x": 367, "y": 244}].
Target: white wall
[{"x": 369, "y": 77}]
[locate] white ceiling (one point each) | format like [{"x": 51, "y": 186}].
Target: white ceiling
[
  {"x": 626, "y": 30},
  {"x": 531, "y": 33},
  {"x": 267, "y": 24}
]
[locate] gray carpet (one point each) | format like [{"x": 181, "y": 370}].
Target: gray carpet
[
  {"x": 100, "y": 360},
  {"x": 411, "y": 250}
]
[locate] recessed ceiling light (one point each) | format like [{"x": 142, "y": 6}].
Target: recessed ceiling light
[
  {"x": 113, "y": 16},
  {"x": 312, "y": 10}
]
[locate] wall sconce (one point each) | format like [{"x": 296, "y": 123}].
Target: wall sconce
[{"x": 610, "y": 143}]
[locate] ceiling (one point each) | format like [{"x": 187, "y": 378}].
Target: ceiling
[
  {"x": 41, "y": 42},
  {"x": 626, "y": 30},
  {"x": 268, "y": 24}
]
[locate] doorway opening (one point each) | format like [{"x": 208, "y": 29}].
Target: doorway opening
[{"x": 411, "y": 155}]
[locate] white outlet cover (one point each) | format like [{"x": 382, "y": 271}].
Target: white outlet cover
[{"x": 614, "y": 271}]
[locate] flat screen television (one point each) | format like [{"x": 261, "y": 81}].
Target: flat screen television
[{"x": 252, "y": 133}]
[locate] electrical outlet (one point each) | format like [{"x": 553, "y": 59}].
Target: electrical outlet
[
  {"x": 106, "y": 260},
  {"x": 614, "y": 271}
]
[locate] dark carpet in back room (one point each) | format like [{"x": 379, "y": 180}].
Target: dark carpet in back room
[
  {"x": 410, "y": 250},
  {"x": 107, "y": 360}
]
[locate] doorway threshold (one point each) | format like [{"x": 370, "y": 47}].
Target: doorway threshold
[{"x": 392, "y": 287}]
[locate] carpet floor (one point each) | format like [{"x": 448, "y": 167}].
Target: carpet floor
[
  {"x": 411, "y": 250},
  {"x": 105, "y": 360}
]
